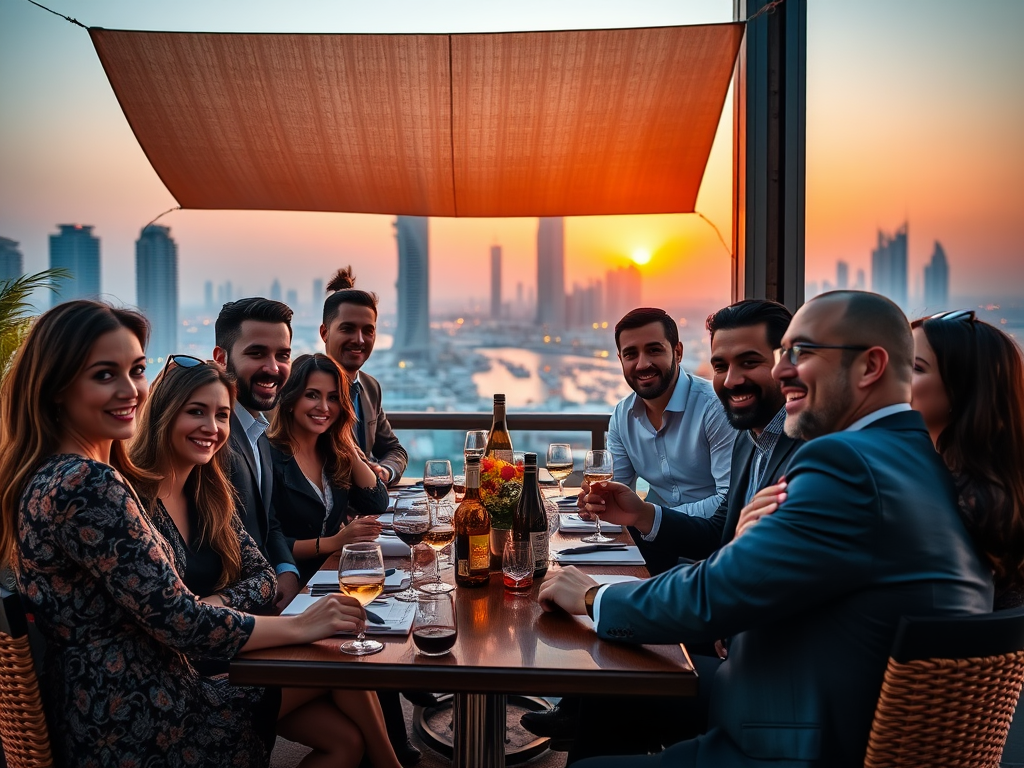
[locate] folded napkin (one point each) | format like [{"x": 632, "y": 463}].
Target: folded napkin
[
  {"x": 572, "y": 523},
  {"x": 395, "y": 581},
  {"x": 396, "y": 615},
  {"x": 627, "y": 556},
  {"x": 391, "y": 545}
]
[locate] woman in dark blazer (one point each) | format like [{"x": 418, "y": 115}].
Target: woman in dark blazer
[{"x": 319, "y": 472}]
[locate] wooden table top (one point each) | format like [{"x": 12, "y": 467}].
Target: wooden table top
[{"x": 506, "y": 644}]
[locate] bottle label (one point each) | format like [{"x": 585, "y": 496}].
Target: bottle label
[
  {"x": 479, "y": 553},
  {"x": 539, "y": 542},
  {"x": 463, "y": 567}
]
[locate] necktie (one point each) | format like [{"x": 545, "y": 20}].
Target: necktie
[{"x": 359, "y": 428}]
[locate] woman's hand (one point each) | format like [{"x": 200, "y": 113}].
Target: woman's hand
[
  {"x": 765, "y": 501},
  {"x": 327, "y": 616},
  {"x": 359, "y": 530}
]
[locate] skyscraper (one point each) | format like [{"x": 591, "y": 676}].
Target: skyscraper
[
  {"x": 495, "y": 282},
  {"x": 275, "y": 290},
  {"x": 412, "y": 336},
  {"x": 622, "y": 291},
  {"x": 318, "y": 292},
  {"x": 842, "y": 275},
  {"x": 208, "y": 296},
  {"x": 889, "y": 266},
  {"x": 12, "y": 263},
  {"x": 551, "y": 272},
  {"x": 861, "y": 282},
  {"x": 936, "y": 280},
  {"x": 76, "y": 250},
  {"x": 291, "y": 298},
  {"x": 156, "y": 288}
]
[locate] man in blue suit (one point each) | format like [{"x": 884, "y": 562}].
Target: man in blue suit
[{"x": 811, "y": 595}]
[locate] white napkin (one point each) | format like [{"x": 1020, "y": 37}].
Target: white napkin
[
  {"x": 572, "y": 522},
  {"x": 397, "y": 615}
]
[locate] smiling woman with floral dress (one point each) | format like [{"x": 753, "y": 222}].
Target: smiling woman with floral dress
[{"x": 117, "y": 621}]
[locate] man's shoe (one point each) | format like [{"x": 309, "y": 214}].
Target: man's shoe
[{"x": 556, "y": 723}]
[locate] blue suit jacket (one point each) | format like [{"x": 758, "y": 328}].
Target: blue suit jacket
[{"x": 812, "y": 594}]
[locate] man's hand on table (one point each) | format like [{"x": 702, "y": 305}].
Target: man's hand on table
[
  {"x": 617, "y": 504},
  {"x": 565, "y": 588},
  {"x": 381, "y": 471},
  {"x": 287, "y": 589}
]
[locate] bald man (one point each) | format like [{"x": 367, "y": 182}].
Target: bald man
[{"x": 811, "y": 595}]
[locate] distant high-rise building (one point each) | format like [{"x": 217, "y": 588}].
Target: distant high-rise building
[
  {"x": 76, "y": 250},
  {"x": 318, "y": 292},
  {"x": 584, "y": 306},
  {"x": 889, "y": 266},
  {"x": 12, "y": 263},
  {"x": 551, "y": 272},
  {"x": 496, "y": 282},
  {"x": 275, "y": 290},
  {"x": 622, "y": 291},
  {"x": 842, "y": 275},
  {"x": 208, "y": 296},
  {"x": 936, "y": 280},
  {"x": 156, "y": 289},
  {"x": 861, "y": 282},
  {"x": 412, "y": 335},
  {"x": 291, "y": 298}
]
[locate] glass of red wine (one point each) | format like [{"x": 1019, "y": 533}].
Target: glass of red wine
[
  {"x": 437, "y": 479},
  {"x": 411, "y": 525},
  {"x": 434, "y": 629}
]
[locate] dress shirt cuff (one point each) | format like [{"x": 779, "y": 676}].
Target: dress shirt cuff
[
  {"x": 597, "y": 604},
  {"x": 391, "y": 474},
  {"x": 655, "y": 527},
  {"x": 285, "y": 568}
]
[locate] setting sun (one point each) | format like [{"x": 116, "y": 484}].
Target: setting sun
[{"x": 641, "y": 256}]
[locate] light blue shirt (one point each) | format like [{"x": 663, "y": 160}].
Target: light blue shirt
[{"x": 687, "y": 462}]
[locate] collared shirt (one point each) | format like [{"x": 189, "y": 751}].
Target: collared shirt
[
  {"x": 874, "y": 416},
  {"x": 763, "y": 446},
  {"x": 254, "y": 427},
  {"x": 687, "y": 461}
]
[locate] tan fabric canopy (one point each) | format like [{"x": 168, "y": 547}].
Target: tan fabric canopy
[{"x": 507, "y": 124}]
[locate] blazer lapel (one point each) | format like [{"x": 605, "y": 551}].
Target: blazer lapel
[
  {"x": 367, "y": 407},
  {"x": 241, "y": 443},
  {"x": 266, "y": 470},
  {"x": 295, "y": 481},
  {"x": 741, "y": 459}
]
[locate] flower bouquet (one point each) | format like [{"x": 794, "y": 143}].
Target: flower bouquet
[{"x": 501, "y": 483}]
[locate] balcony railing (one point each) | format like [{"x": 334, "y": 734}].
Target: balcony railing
[{"x": 594, "y": 423}]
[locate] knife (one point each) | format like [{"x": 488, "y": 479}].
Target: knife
[
  {"x": 594, "y": 548},
  {"x": 374, "y": 618}
]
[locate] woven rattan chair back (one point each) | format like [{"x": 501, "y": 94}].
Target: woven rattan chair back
[
  {"x": 949, "y": 711},
  {"x": 26, "y": 741}
]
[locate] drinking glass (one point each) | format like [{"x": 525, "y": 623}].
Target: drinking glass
[
  {"x": 434, "y": 628},
  {"x": 560, "y": 463},
  {"x": 411, "y": 525},
  {"x": 459, "y": 486},
  {"x": 476, "y": 442},
  {"x": 437, "y": 479},
  {"x": 597, "y": 467},
  {"x": 517, "y": 565},
  {"x": 361, "y": 575},
  {"x": 440, "y": 534}
]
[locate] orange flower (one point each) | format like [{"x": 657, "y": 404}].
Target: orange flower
[{"x": 508, "y": 472}]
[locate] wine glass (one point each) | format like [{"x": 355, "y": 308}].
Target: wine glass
[
  {"x": 517, "y": 566},
  {"x": 437, "y": 479},
  {"x": 476, "y": 442},
  {"x": 439, "y": 536},
  {"x": 560, "y": 463},
  {"x": 411, "y": 525},
  {"x": 434, "y": 628},
  {"x": 361, "y": 575},
  {"x": 597, "y": 467}
]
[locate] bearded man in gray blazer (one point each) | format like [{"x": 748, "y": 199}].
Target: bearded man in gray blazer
[{"x": 811, "y": 595}]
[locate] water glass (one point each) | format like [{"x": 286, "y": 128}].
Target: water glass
[
  {"x": 517, "y": 565},
  {"x": 476, "y": 442},
  {"x": 434, "y": 628}
]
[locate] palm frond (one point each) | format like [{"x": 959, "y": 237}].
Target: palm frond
[{"x": 14, "y": 310}]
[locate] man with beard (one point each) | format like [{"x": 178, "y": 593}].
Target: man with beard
[
  {"x": 254, "y": 338},
  {"x": 349, "y": 329},
  {"x": 812, "y": 594}
]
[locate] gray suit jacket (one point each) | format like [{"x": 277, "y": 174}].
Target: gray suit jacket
[
  {"x": 381, "y": 443},
  {"x": 812, "y": 594}
]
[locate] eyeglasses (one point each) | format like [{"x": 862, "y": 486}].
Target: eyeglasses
[
  {"x": 183, "y": 361},
  {"x": 794, "y": 353},
  {"x": 956, "y": 314}
]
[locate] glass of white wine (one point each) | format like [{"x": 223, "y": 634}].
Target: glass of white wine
[
  {"x": 560, "y": 464},
  {"x": 596, "y": 468},
  {"x": 361, "y": 575},
  {"x": 440, "y": 534}
]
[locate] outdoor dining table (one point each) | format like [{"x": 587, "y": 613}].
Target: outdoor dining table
[{"x": 506, "y": 645}]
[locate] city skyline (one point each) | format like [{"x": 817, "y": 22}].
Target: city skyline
[{"x": 156, "y": 277}]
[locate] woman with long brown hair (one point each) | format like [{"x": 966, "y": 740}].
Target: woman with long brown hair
[
  {"x": 969, "y": 386},
  {"x": 117, "y": 621},
  {"x": 319, "y": 472}
]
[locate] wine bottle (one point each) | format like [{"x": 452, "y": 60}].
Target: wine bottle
[
  {"x": 530, "y": 522},
  {"x": 499, "y": 441},
  {"x": 472, "y": 533}
]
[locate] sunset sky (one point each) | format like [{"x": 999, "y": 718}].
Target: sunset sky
[{"x": 914, "y": 113}]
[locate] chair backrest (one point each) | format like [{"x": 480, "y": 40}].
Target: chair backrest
[
  {"x": 26, "y": 740},
  {"x": 949, "y": 692}
]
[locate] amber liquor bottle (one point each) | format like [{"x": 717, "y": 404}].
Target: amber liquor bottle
[{"x": 472, "y": 532}]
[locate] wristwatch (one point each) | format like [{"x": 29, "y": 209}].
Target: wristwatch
[{"x": 589, "y": 598}]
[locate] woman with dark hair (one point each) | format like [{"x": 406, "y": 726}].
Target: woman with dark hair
[
  {"x": 969, "y": 387},
  {"x": 99, "y": 578},
  {"x": 319, "y": 472}
]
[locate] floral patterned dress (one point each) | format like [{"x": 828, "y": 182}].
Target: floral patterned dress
[{"x": 118, "y": 625}]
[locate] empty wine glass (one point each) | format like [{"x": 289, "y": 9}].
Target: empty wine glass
[
  {"x": 596, "y": 468},
  {"x": 560, "y": 463},
  {"x": 440, "y": 534},
  {"x": 411, "y": 525},
  {"x": 476, "y": 442},
  {"x": 361, "y": 575}
]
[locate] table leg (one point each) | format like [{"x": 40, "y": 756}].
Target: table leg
[{"x": 479, "y": 720}]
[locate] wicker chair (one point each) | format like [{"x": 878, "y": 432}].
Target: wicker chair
[
  {"x": 949, "y": 692},
  {"x": 26, "y": 741}
]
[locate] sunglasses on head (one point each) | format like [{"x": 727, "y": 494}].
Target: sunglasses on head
[
  {"x": 183, "y": 361},
  {"x": 956, "y": 314}
]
